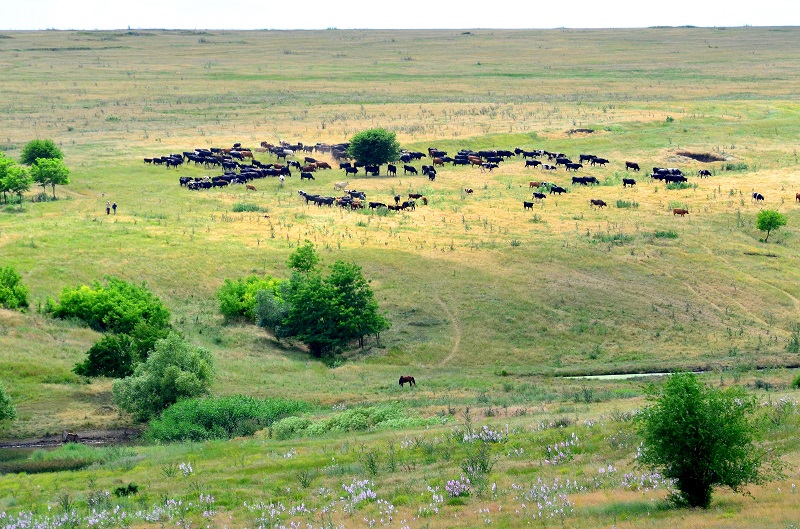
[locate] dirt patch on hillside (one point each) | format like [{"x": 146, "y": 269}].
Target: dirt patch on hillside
[
  {"x": 91, "y": 437},
  {"x": 705, "y": 157}
]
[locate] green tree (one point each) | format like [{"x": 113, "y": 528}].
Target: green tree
[
  {"x": 50, "y": 172},
  {"x": 7, "y": 411},
  {"x": 17, "y": 180},
  {"x": 174, "y": 370},
  {"x": 699, "y": 436},
  {"x": 36, "y": 149},
  {"x": 5, "y": 164},
  {"x": 304, "y": 259},
  {"x": 374, "y": 146},
  {"x": 769, "y": 220},
  {"x": 325, "y": 313},
  {"x": 13, "y": 293}
]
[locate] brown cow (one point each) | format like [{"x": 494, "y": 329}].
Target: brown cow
[
  {"x": 438, "y": 161},
  {"x": 597, "y": 202},
  {"x": 310, "y": 168},
  {"x": 535, "y": 184},
  {"x": 797, "y": 197},
  {"x": 250, "y": 187},
  {"x": 415, "y": 195},
  {"x": 680, "y": 211},
  {"x": 69, "y": 437},
  {"x": 323, "y": 165},
  {"x": 407, "y": 379}
]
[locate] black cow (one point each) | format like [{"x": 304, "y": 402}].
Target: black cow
[
  {"x": 532, "y": 163},
  {"x": 373, "y": 170},
  {"x": 409, "y": 169},
  {"x": 373, "y": 205},
  {"x": 599, "y": 161},
  {"x": 391, "y": 170},
  {"x": 350, "y": 170},
  {"x": 527, "y": 205},
  {"x": 758, "y": 197},
  {"x": 703, "y": 173},
  {"x": 597, "y": 202},
  {"x": 631, "y": 165},
  {"x": 557, "y": 189},
  {"x": 573, "y": 166},
  {"x": 628, "y": 182},
  {"x": 539, "y": 196},
  {"x": 586, "y": 157},
  {"x": 306, "y": 176}
]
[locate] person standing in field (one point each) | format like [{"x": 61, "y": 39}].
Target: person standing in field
[
  {"x": 108, "y": 208},
  {"x": 114, "y": 207}
]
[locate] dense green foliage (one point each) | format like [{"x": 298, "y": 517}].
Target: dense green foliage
[
  {"x": 50, "y": 172},
  {"x": 174, "y": 370},
  {"x": 38, "y": 149},
  {"x": 374, "y": 146},
  {"x": 13, "y": 293},
  {"x": 116, "y": 307},
  {"x": 7, "y": 410},
  {"x": 304, "y": 259},
  {"x": 769, "y": 220},
  {"x": 113, "y": 356},
  {"x": 17, "y": 180},
  {"x": 384, "y": 416},
  {"x": 701, "y": 437},
  {"x": 5, "y": 164},
  {"x": 237, "y": 298},
  {"x": 220, "y": 418}
]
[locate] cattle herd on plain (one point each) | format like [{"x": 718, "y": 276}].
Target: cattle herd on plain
[{"x": 239, "y": 166}]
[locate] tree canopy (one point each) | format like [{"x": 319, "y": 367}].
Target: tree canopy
[
  {"x": 374, "y": 147},
  {"x": 699, "y": 436},
  {"x": 13, "y": 293},
  {"x": 36, "y": 149},
  {"x": 50, "y": 172},
  {"x": 769, "y": 220},
  {"x": 17, "y": 180}
]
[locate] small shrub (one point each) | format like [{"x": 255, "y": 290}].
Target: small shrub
[
  {"x": 627, "y": 204},
  {"x": 290, "y": 427},
  {"x": 7, "y": 410},
  {"x": 665, "y": 234},
  {"x": 796, "y": 382},
  {"x": 111, "y": 357},
  {"x": 670, "y": 119},
  {"x": 739, "y": 166},
  {"x": 678, "y": 185},
  {"x": 13, "y": 294},
  {"x": 237, "y": 298},
  {"x": 613, "y": 238},
  {"x": 240, "y": 207},
  {"x": 126, "y": 490}
]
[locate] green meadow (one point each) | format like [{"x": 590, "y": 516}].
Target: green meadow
[{"x": 491, "y": 306}]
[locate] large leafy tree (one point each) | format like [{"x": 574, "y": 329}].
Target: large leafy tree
[
  {"x": 769, "y": 220},
  {"x": 13, "y": 293},
  {"x": 374, "y": 146},
  {"x": 5, "y": 164},
  {"x": 50, "y": 172},
  {"x": 325, "y": 313},
  {"x": 701, "y": 437},
  {"x": 36, "y": 149},
  {"x": 174, "y": 370},
  {"x": 17, "y": 180}
]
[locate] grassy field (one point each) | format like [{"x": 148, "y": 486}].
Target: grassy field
[{"x": 488, "y": 303}]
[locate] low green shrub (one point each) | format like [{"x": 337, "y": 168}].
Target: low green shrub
[
  {"x": 200, "y": 419},
  {"x": 30, "y": 466},
  {"x": 240, "y": 207},
  {"x": 237, "y": 298},
  {"x": 289, "y": 427},
  {"x": 796, "y": 382},
  {"x": 613, "y": 238},
  {"x": 627, "y": 204},
  {"x": 678, "y": 185},
  {"x": 13, "y": 294},
  {"x": 116, "y": 307},
  {"x": 113, "y": 356},
  {"x": 665, "y": 234},
  {"x": 739, "y": 166}
]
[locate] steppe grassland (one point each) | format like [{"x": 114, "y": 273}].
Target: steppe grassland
[{"x": 474, "y": 286}]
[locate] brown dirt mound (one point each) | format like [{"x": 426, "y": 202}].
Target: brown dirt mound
[{"x": 704, "y": 157}]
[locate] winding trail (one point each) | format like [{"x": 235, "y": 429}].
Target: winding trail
[{"x": 456, "y": 331}]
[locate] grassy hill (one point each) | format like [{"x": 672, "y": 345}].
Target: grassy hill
[{"x": 487, "y": 302}]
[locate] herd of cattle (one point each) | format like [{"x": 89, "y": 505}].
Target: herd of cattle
[{"x": 236, "y": 171}]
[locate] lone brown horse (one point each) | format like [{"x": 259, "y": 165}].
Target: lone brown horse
[{"x": 409, "y": 379}]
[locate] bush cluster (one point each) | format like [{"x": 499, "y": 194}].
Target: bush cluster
[
  {"x": 13, "y": 294},
  {"x": 237, "y": 298},
  {"x": 220, "y": 417}
]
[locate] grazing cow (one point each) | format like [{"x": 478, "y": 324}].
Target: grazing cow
[
  {"x": 345, "y": 165},
  {"x": 598, "y": 161},
  {"x": 468, "y": 190},
  {"x": 758, "y": 197},
  {"x": 488, "y": 166},
  {"x": 680, "y": 211},
  {"x": 597, "y": 202},
  {"x": 424, "y": 201},
  {"x": 534, "y": 184},
  {"x": 797, "y": 197},
  {"x": 306, "y": 176},
  {"x": 350, "y": 170},
  {"x": 415, "y": 195},
  {"x": 475, "y": 160},
  {"x": 409, "y": 169},
  {"x": 391, "y": 170},
  {"x": 527, "y": 205},
  {"x": 323, "y": 165},
  {"x": 408, "y": 204},
  {"x": 373, "y": 205},
  {"x": 431, "y": 174},
  {"x": 703, "y": 173},
  {"x": 373, "y": 170},
  {"x": 631, "y": 165},
  {"x": 579, "y": 180},
  {"x": 573, "y": 166},
  {"x": 532, "y": 163},
  {"x": 557, "y": 189},
  {"x": 539, "y": 196},
  {"x": 310, "y": 168},
  {"x": 405, "y": 379},
  {"x": 586, "y": 157},
  {"x": 548, "y": 167},
  {"x": 396, "y": 199},
  {"x": 185, "y": 180},
  {"x": 250, "y": 187},
  {"x": 628, "y": 182},
  {"x": 340, "y": 185},
  {"x": 563, "y": 161},
  {"x": 438, "y": 161},
  {"x": 309, "y": 159}
]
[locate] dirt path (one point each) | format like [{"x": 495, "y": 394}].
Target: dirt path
[
  {"x": 454, "y": 321},
  {"x": 92, "y": 437}
]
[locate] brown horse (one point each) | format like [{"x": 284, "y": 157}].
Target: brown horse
[{"x": 409, "y": 379}]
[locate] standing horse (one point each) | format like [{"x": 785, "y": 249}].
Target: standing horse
[{"x": 409, "y": 379}]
